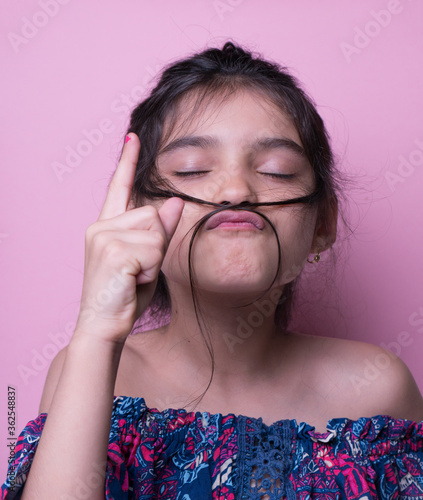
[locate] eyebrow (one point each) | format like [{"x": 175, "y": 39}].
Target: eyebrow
[
  {"x": 202, "y": 142},
  {"x": 277, "y": 143},
  {"x": 207, "y": 142}
]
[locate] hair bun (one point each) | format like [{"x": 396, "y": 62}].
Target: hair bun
[{"x": 231, "y": 48}]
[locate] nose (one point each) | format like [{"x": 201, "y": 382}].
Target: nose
[{"x": 234, "y": 188}]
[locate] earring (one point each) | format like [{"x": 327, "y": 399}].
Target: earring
[{"x": 316, "y": 258}]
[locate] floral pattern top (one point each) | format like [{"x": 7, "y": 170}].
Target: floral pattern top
[{"x": 175, "y": 454}]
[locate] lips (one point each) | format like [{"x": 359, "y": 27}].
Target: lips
[{"x": 235, "y": 220}]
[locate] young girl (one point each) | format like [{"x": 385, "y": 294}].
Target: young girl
[{"x": 225, "y": 190}]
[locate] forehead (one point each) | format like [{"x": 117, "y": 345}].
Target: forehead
[{"x": 232, "y": 116}]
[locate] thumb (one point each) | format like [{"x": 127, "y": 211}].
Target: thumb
[{"x": 170, "y": 213}]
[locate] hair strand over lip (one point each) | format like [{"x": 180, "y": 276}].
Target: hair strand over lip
[{"x": 207, "y": 75}]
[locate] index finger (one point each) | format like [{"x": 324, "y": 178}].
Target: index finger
[{"x": 120, "y": 187}]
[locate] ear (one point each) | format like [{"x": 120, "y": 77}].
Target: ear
[{"x": 326, "y": 226}]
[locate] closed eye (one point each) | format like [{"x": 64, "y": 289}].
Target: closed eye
[
  {"x": 190, "y": 173},
  {"x": 278, "y": 176}
]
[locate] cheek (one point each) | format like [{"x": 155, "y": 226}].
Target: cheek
[
  {"x": 232, "y": 260},
  {"x": 296, "y": 239},
  {"x": 175, "y": 262},
  {"x": 176, "y": 256}
]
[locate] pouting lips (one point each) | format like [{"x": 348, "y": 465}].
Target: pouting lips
[{"x": 235, "y": 219}]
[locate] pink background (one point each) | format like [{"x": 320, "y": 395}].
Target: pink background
[{"x": 80, "y": 65}]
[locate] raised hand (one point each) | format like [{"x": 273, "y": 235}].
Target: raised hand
[{"x": 124, "y": 250}]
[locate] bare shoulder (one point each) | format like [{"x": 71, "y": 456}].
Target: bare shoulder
[
  {"x": 384, "y": 382},
  {"x": 134, "y": 360},
  {"x": 52, "y": 380},
  {"x": 377, "y": 381}
]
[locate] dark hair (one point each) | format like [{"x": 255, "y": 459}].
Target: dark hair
[
  {"x": 222, "y": 72},
  {"x": 228, "y": 70}
]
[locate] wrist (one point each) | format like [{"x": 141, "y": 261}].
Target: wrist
[
  {"x": 87, "y": 340},
  {"x": 109, "y": 331}
]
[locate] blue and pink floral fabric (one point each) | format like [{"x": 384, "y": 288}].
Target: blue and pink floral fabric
[{"x": 179, "y": 455}]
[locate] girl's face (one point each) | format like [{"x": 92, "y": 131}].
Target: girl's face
[{"x": 239, "y": 149}]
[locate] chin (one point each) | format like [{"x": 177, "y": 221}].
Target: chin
[
  {"x": 238, "y": 258},
  {"x": 241, "y": 280}
]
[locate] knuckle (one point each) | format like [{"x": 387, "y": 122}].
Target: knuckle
[
  {"x": 156, "y": 255},
  {"x": 106, "y": 246},
  {"x": 99, "y": 239},
  {"x": 158, "y": 239},
  {"x": 150, "y": 211},
  {"x": 91, "y": 231}
]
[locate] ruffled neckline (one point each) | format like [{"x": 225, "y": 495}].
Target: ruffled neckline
[{"x": 368, "y": 428}]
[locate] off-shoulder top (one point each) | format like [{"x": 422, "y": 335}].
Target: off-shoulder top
[{"x": 175, "y": 454}]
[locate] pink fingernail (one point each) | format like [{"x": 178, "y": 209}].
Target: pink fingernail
[{"x": 127, "y": 139}]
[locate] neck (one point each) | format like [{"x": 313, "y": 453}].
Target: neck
[{"x": 242, "y": 334}]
